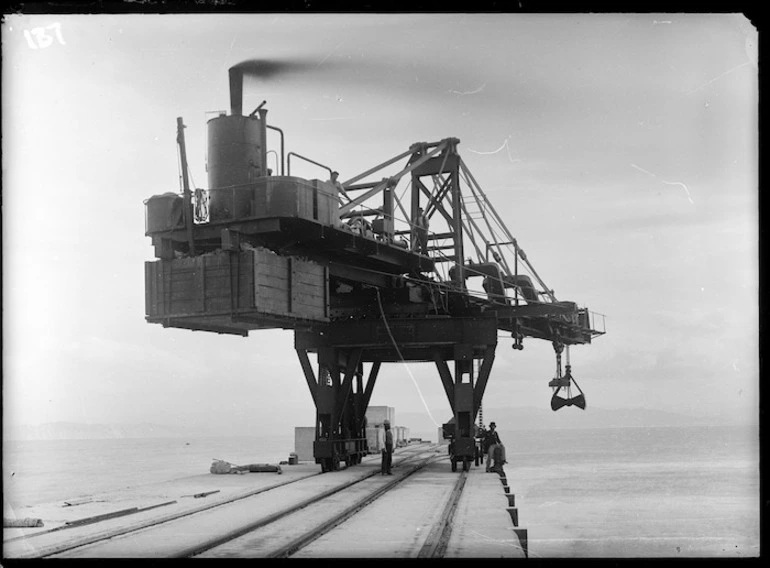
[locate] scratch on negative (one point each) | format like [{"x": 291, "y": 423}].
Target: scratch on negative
[
  {"x": 232, "y": 44},
  {"x": 687, "y": 191},
  {"x": 707, "y": 83},
  {"x": 504, "y": 145},
  {"x": 481, "y": 88},
  {"x": 336, "y": 47}
]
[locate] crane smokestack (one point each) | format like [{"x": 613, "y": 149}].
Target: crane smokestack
[{"x": 236, "y": 91}]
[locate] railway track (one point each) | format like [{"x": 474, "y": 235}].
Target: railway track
[
  {"x": 333, "y": 523},
  {"x": 290, "y": 519}
]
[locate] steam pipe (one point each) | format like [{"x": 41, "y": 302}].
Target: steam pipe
[
  {"x": 263, "y": 137},
  {"x": 281, "y": 133}
]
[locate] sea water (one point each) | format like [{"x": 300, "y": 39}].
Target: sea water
[
  {"x": 626, "y": 492},
  {"x": 46, "y": 471},
  {"x": 637, "y": 492}
]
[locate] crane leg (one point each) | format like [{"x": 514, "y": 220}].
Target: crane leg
[{"x": 340, "y": 402}]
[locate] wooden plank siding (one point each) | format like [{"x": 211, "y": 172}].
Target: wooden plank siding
[{"x": 204, "y": 289}]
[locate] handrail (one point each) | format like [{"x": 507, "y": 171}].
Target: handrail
[
  {"x": 281, "y": 133},
  {"x": 288, "y": 162},
  {"x": 276, "y": 159}
]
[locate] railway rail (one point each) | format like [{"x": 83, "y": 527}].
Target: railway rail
[
  {"x": 279, "y": 521},
  {"x": 330, "y": 520}
]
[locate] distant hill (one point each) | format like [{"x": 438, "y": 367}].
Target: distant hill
[
  {"x": 420, "y": 425},
  {"x": 531, "y": 418},
  {"x": 78, "y": 431}
]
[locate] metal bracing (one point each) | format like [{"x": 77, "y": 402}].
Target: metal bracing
[
  {"x": 436, "y": 196},
  {"x": 459, "y": 275},
  {"x": 441, "y": 188},
  {"x": 377, "y": 168},
  {"x": 367, "y": 394},
  {"x": 471, "y": 234},
  {"x": 340, "y": 409},
  {"x": 483, "y": 377},
  {"x": 307, "y": 370},
  {"x": 436, "y": 205},
  {"x": 462, "y": 366},
  {"x": 391, "y": 180},
  {"x": 446, "y": 379},
  {"x": 343, "y": 395}
]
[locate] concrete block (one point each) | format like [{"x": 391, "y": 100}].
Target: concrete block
[
  {"x": 375, "y": 438},
  {"x": 377, "y": 415},
  {"x": 514, "y": 513},
  {"x": 304, "y": 436},
  {"x": 521, "y": 534}
]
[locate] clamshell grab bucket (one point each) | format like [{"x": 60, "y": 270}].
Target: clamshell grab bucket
[{"x": 558, "y": 402}]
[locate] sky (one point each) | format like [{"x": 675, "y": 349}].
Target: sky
[{"x": 619, "y": 149}]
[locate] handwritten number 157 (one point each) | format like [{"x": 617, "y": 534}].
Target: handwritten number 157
[{"x": 39, "y": 38}]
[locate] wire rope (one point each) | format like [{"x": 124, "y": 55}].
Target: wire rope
[{"x": 400, "y": 356}]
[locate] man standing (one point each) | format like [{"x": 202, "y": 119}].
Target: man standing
[
  {"x": 481, "y": 435},
  {"x": 387, "y": 456},
  {"x": 421, "y": 225},
  {"x": 336, "y": 183},
  {"x": 491, "y": 441}
]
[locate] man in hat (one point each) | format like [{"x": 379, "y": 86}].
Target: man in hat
[
  {"x": 387, "y": 453},
  {"x": 491, "y": 443},
  {"x": 338, "y": 185}
]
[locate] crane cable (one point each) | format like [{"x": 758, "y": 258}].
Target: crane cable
[{"x": 400, "y": 356}]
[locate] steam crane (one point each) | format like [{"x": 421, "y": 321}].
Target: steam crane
[{"x": 410, "y": 265}]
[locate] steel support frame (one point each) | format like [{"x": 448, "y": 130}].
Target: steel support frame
[
  {"x": 342, "y": 350},
  {"x": 447, "y": 191},
  {"x": 465, "y": 393},
  {"x": 340, "y": 428}
]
